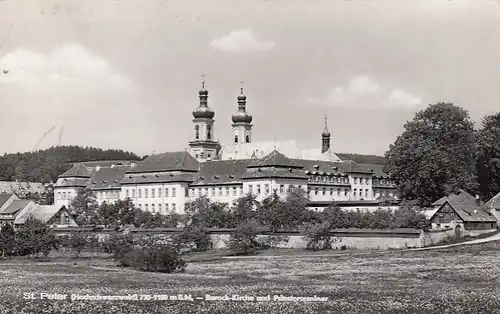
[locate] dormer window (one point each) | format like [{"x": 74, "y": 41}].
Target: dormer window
[{"x": 216, "y": 177}]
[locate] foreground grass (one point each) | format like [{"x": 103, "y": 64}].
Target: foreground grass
[{"x": 454, "y": 280}]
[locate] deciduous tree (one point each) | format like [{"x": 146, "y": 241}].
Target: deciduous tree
[
  {"x": 488, "y": 162},
  {"x": 435, "y": 155}
]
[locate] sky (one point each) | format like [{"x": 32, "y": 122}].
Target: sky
[{"x": 125, "y": 74}]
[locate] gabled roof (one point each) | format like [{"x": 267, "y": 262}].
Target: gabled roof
[
  {"x": 172, "y": 161},
  {"x": 440, "y": 201},
  {"x": 78, "y": 171},
  {"x": 274, "y": 159},
  {"x": 41, "y": 212},
  {"x": 4, "y": 197},
  {"x": 15, "y": 207},
  {"x": 467, "y": 209},
  {"x": 157, "y": 178},
  {"x": 494, "y": 202}
]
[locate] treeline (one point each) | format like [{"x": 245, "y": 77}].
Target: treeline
[
  {"x": 441, "y": 152},
  {"x": 46, "y": 165},
  {"x": 362, "y": 159}
]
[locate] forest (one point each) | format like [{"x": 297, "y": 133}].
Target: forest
[{"x": 46, "y": 165}]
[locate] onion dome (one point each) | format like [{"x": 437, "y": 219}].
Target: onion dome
[
  {"x": 203, "y": 111},
  {"x": 241, "y": 116}
]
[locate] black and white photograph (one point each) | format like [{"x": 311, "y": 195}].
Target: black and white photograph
[{"x": 250, "y": 156}]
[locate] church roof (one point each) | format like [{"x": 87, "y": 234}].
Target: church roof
[
  {"x": 172, "y": 161},
  {"x": 77, "y": 171},
  {"x": 274, "y": 159}
]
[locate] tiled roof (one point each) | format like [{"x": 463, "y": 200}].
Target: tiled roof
[
  {"x": 172, "y": 161},
  {"x": 158, "y": 178},
  {"x": 108, "y": 177},
  {"x": 105, "y": 163},
  {"x": 275, "y": 172},
  {"x": 274, "y": 159},
  {"x": 11, "y": 186},
  {"x": 466, "y": 207},
  {"x": 494, "y": 202},
  {"x": 4, "y": 197},
  {"x": 15, "y": 206},
  {"x": 42, "y": 212},
  {"x": 78, "y": 171},
  {"x": 70, "y": 182},
  {"x": 221, "y": 172},
  {"x": 440, "y": 201}
]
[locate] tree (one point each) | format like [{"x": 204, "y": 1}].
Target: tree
[
  {"x": 7, "y": 239},
  {"x": 244, "y": 238},
  {"x": 435, "y": 155},
  {"x": 85, "y": 207},
  {"x": 488, "y": 161},
  {"x": 34, "y": 237}
]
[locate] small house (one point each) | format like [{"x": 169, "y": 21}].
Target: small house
[{"x": 463, "y": 212}]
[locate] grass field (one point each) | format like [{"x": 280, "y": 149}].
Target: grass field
[{"x": 457, "y": 280}]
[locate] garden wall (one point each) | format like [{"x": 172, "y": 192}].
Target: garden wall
[{"x": 362, "y": 239}]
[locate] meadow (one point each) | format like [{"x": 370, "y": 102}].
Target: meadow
[{"x": 462, "y": 279}]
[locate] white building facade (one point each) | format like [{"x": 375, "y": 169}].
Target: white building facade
[{"x": 165, "y": 182}]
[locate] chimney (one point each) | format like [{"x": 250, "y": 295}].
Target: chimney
[
  {"x": 97, "y": 168},
  {"x": 478, "y": 201},
  {"x": 112, "y": 165}
]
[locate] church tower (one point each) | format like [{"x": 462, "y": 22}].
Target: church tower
[
  {"x": 325, "y": 138},
  {"x": 242, "y": 127},
  {"x": 203, "y": 147}
]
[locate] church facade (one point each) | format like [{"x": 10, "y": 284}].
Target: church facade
[{"x": 165, "y": 182}]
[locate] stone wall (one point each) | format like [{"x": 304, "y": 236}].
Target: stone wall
[{"x": 362, "y": 239}]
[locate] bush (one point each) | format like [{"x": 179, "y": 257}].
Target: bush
[
  {"x": 159, "y": 258},
  {"x": 273, "y": 241},
  {"x": 193, "y": 238},
  {"x": 118, "y": 245},
  {"x": 34, "y": 237},
  {"x": 7, "y": 240},
  {"x": 317, "y": 236},
  {"x": 244, "y": 239}
]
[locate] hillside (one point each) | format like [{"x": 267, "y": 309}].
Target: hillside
[
  {"x": 46, "y": 165},
  {"x": 363, "y": 159}
]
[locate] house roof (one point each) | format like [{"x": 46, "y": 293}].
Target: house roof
[
  {"x": 15, "y": 207},
  {"x": 77, "y": 171},
  {"x": 108, "y": 177},
  {"x": 68, "y": 182},
  {"x": 440, "y": 201},
  {"x": 172, "y": 161},
  {"x": 221, "y": 172},
  {"x": 275, "y": 172},
  {"x": 157, "y": 178},
  {"x": 4, "y": 197},
  {"x": 465, "y": 206},
  {"x": 42, "y": 212},
  {"x": 274, "y": 159},
  {"x": 11, "y": 186},
  {"x": 494, "y": 202}
]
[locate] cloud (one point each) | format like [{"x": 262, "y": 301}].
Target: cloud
[
  {"x": 241, "y": 41},
  {"x": 365, "y": 91},
  {"x": 70, "y": 66}
]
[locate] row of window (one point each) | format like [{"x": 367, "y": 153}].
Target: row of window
[
  {"x": 330, "y": 191},
  {"x": 107, "y": 194},
  {"x": 158, "y": 208},
  {"x": 64, "y": 196},
  {"x": 212, "y": 192},
  {"x": 331, "y": 180},
  {"x": 383, "y": 182},
  {"x": 151, "y": 192}
]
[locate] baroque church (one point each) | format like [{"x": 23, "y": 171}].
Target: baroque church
[{"x": 165, "y": 182}]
